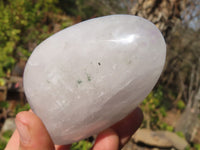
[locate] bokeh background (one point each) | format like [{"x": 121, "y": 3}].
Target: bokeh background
[{"x": 171, "y": 110}]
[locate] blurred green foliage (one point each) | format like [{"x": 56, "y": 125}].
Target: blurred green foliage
[
  {"x": 2, "y": 82},
  {"x": 85, "y": 9},
  {"x": 80, "y": 8},
  {"x": 5, "y": 138},
  {"x": 155, "y": 107},
  {"x": 180, "y": 134},
  {"x": 20, "y": 108},
  {"x": 23, "y": 23},
  {"x": 165, "y": 126},
  {"x": 2, "y": 144},
  {"x": 4, "y": 104},
  {"x": 7, "y": 135},
  {"x": 82, "y": 145},
  {"x": 181, "y": 105},
  {"x": 197, "y": 146}
]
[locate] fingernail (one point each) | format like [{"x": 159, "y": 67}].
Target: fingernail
[{"x": 24, "y": 133}]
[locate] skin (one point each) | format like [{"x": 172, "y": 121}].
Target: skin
[{"x": 31, "y": 133}]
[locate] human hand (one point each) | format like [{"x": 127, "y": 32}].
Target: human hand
[{"x": 31, "y": 133}]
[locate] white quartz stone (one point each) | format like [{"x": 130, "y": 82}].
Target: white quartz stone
[{"x": 87, "y": 77}]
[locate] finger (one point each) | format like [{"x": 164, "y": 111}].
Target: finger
[
  {"x": 127, "y": 127},
  {"x": 32, "y": 132},
  {"x": 62, "y": 147},
  {"x": 107, "y": 140}
]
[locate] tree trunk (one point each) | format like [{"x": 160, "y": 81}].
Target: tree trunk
[
  {"x": 164, "y": 14},
  {"x": 189, "y": 123}
]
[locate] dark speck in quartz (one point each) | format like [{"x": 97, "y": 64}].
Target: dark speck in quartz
[
  {"x": 79, "y": 81},
  {"x": 88, "y": 77}
]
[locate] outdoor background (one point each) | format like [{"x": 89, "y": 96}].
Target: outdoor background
[{"x": 171, "y": 110}]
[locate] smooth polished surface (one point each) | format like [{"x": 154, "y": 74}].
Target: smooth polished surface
[{"x": 87, "y": 77}]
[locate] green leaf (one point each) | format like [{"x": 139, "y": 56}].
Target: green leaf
[
  {"x": 4, "y": 104},
  {"x": 2, "y": 82},
  {"x": 181, "y": 105}
]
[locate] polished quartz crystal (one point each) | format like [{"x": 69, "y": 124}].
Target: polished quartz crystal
[{"x": 87, "y": 77}]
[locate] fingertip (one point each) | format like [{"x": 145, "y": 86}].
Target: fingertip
[
  {"x": 128, "y": 126},
  {"x": 62, "y": 147},
  {"x": 138, "y": 112},
  {"x": 33, "y": 134},
  {"x": 23, "y": 116},
  {"x": 107, "y": 140}
]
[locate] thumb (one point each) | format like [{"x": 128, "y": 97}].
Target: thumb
[{"x": 33, "y": 134}]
